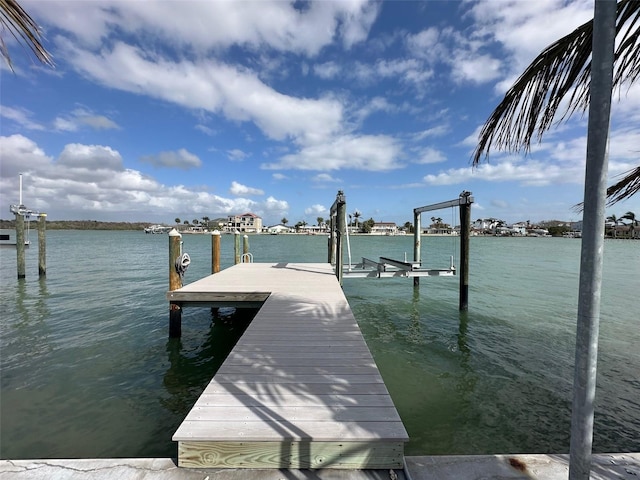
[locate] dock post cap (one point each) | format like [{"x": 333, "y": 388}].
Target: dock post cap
[
  {"x": 245, "y": 236},
  {"x": 174, "y": 233},
  {"x": 215, "y": 232}
]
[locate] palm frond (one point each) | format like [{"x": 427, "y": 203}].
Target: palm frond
[
  {"x": 629, "y": 185},
  {"x": 24, "y": 29},
  {"x": 531, "y": 104}
]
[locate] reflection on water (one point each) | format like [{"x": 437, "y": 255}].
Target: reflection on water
[{"x": 189, "y": 372}]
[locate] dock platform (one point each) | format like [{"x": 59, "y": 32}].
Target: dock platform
[{"x": 300, "y": 389}]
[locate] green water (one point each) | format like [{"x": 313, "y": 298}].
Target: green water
[{"x": 87, "y": 369}]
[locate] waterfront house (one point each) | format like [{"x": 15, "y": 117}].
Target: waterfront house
[
  {"x": 245, "y": 223},
  {"x": 384, "y": 228}
]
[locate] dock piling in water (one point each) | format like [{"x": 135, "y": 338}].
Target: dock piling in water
[
  {"x": 20, "y": 245},
  {"x": 215, "y": 251},
  {"x": 175, "y": 282},
  {"x": 236, "y": 247},
  {"x": 42, "y": 245}
]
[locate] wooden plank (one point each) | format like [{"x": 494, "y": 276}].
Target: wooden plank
[
  {"x": 245, "y": 388},
  {"x": 300, "y": 378},
  {"x": 279, "y": 428},
  {"x": 344, "y": 455},
  {"x": 225, "y": 399},
  {"x": 312, "y": 413},
  {"x": 177, "y": 296},
  {"x": 259, "y": 368}
]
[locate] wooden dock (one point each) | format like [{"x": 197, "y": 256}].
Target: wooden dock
[{"x": 300, "y": 389}]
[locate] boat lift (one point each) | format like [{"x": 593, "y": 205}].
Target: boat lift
[{"x": 388, "y": 267}]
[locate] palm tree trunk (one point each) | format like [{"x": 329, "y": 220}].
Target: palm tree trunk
[{"x": 588, "y": 323}]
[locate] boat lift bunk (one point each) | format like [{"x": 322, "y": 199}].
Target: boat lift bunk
[{"x": 388, "y": 267}]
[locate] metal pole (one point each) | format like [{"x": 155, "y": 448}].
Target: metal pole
[
  {"x": 584, "y": 383},
  {"x": 417, "y": 235}
]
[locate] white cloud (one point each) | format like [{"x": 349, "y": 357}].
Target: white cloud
[
  {"x": 65, "y": 125},
  {"x": 325, "y": 178},
  {"x": 236, "y": 155},
  {"x": 327, "y": 70},
  {"x": 203, "y": 26},
  {"x": 21, "y": 116},
  {"x": 316, "y": 209},
  {"x": 212, "y": 86},
  {"x": 173, "y": 159},
  {"x": 524, "y": 29},
  {"x": 533, "y": 173},
  {"x": 428, "y": 155},
  {"x": 90, "y": 157},
  {"x": 20, "y": 155},
  {"x": 279, "y": 176},
  {"x": 81, "y": 117},
  {"x": 366, "y": 152},
  {"x": 90, "y": 180},
  {"x": 239, "y": 189}
]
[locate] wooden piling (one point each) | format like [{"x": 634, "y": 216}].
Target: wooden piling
[
  {"x": 215, "y": 251},
  {"x": 465, "y": 234},
  {"x": 245, "y": 248},
  {"x": 175, "y": 282},
  {"x": 20, "y": 245},
  {"x": 42, "y": 245},
  {"x": 236, "y": 247}
]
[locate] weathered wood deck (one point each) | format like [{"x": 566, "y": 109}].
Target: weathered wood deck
[{"x": 300, "y": 389}]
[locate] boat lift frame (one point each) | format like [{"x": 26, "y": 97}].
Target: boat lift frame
[{"x": 387, "y": 267}]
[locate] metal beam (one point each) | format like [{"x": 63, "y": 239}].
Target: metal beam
[{"x": 462, "y": 200}]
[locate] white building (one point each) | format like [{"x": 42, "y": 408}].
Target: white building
[
  {"x": 384, "y": 228},
  {"x": 247, "y": 223}
]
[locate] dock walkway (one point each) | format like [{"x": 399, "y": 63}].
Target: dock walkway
[{"x": 300, "y": 389}]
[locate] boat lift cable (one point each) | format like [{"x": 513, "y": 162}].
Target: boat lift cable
[{"x": 348, "y": 242}]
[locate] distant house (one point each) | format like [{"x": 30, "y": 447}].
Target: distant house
[
  {"x": 280, "y": 228},
  {"x": 384, "y": 228},
  {"x": 247, "y": 223}
]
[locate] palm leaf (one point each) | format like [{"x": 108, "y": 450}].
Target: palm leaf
[
  {"x": 24, "y": 29},
  {"x": 530, "y": 106}
]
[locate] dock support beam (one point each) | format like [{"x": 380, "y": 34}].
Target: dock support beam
[
  {"x": 417, "y": 233},
  {"x": 20, "y": 245},
  {"x": 465, "y": 233},
  {"x": 42, "y": 245},
  {"x": 338, "y": 229},
  {"x": 175, "y": 311}
]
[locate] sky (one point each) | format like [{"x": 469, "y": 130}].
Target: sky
[{"x": 158, "y": 110}]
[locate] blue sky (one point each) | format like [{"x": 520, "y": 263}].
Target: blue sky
[{"x": 165, "y": 109}]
